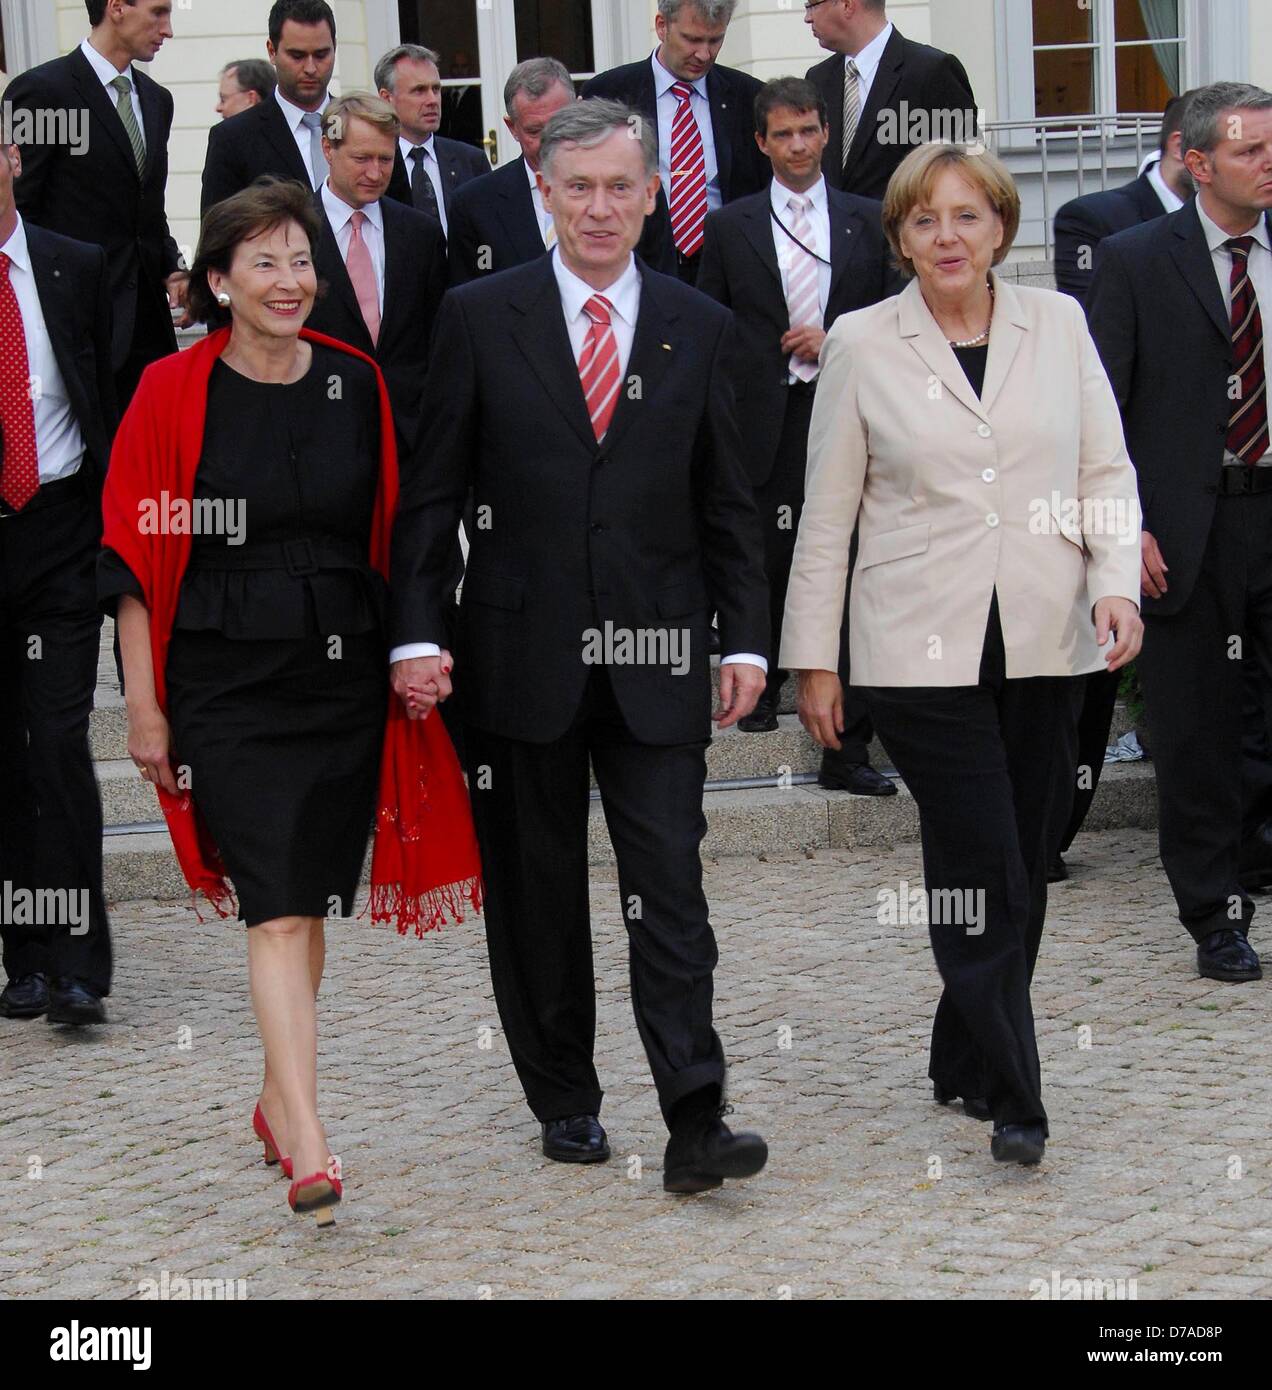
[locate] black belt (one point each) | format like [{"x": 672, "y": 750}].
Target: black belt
[
  {"x": 50, "y": 495},
  {"x": 302, "y": 556},
  {"x": 1241, "y": 480}
]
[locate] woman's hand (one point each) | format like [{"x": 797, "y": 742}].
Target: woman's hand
[
  {"x": 150, "y": 745},
  {"x": 1120, "y": 616},
  {"x": 820, "y": 701}
]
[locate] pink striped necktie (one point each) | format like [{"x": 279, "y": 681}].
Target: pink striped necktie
[
  {"x": 598, "y": 365},
  {"x": 362, "y": 274},
  {"x": 803, "y": 297},
  {"x": 688, "y": 175}
]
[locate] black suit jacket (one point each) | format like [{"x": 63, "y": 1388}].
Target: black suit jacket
[
  {"x": 921, "y": 77},
  {"x": 460, "y": 164},
  {"x": 652, "y": 529},
  {"x": 1083, "y": 223},
  {"x": 72, "y": 279},
  {"x": 493, "y": 227},
  {"x": 739, "y": 270},
  {"x": 414, "y": 282},
  {"x": 1157, "y": 316},
  {"x": 99, "y": 197}
]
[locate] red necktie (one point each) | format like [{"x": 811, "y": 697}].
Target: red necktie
[
  {"x": 598, "y": 365},
  {"x": 688, "y": 175},
  {"x": 362, "y": 275},
  {"x": 20, "y": 475},
  {"x": 1248, "y": 425}
]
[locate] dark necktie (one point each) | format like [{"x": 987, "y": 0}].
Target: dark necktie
[
  {"x": 423, "y": 194},
  {"x": 1248, "y": 424}
]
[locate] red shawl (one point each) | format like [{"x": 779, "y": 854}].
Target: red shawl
[{"x": 426, "y": 861}]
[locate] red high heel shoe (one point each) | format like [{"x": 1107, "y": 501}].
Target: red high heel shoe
[
  {"x": 272, "y": 1155},
  {"x": 317, "y": 1193}
]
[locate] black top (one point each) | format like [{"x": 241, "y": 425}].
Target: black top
[
  {"x": 286, "y": 461},
  {"x": 972, "y": 360}
]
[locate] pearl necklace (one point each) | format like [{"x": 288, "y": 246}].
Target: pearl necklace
[{"x": 980, "y": 337}]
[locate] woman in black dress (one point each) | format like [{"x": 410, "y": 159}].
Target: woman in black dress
[{"x": 276, "y": 670}]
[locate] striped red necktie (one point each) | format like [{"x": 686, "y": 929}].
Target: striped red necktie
[
  {"x": 598, "y": 365},
  {"x": 1248, "y": 425},
  {"x": 20, "y": 474},
  {"x": 688, "y": 175}
]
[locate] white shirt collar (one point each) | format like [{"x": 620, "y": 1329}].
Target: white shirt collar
[
  {"x": 106, "y": 71},
  {"x": 339, "y": 212},
  {"x": 294, "y": 113},
  {"x": 530, "y": 174},
  {"x": 1166, "y": 195},
  {"x": 16, "y": 247},
  {"x": 868, "y": 59},
  {"x": 780, "y": 196},
  {"x": 407, "y": 146},
  {"x": 623, "y": 294},
  {"x": 664, "y": 80},
  {"x": 1216, "y": 236}
]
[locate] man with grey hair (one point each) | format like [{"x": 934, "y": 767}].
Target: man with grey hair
[
  {"x": 243, "y": 84},
  {"x": 702, "y": 114},
  {"x": 429, "y": 168},
  {"x": 1176, "y": 309},
  {"x": 585, "y": 399}
]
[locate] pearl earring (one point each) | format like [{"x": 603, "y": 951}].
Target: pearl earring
[{"x": 223, "y": 299}]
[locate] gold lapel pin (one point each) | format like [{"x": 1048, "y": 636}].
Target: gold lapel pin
[{"x": 666, "y": 347}]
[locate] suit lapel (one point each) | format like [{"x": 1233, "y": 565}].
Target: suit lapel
[
  {"x": 1192, "y": 255},
  {"x": 915, "y": 322},
  {"x": 653, "y": 351},
  {"x": 719, "y": 97},
  {"x": 544, "y": 342},
  {"x": 397, "y": 288},
  {"x": 275, "y": 129},
  {"x": 339, "y": 278},
  {"x": 151, "y": 118},
  {"x": 845, "y": 237},
  {"x": 1005, "y": 338},
  {"x": 516, "y": 209},
  {"x": 887, "y": 77},
  {"x": 448, "y": 163},
  {"x": 757, "y": 226},
  {"x": 100, "y": 104}
]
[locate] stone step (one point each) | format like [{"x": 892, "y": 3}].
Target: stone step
[{"x": 753, "y": 822}]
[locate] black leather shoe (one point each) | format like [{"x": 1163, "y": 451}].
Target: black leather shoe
[
  {"x": 1057, "y": 870},
  {"x": 1018, "y": 1144},
  {"x": 72, "y": 1001},
  {"x": 858, "y": 778},
  {"x": 575, "y": 1139},
  {"x": 762, "y": 719},
  {"x": 1254, "y": 868},
  {"x": 27, "y": 996},
  {"x": 976, "y": 1107},
  {"x": 702, "y": 1152},
  {"x": 1227, "y": 955}
]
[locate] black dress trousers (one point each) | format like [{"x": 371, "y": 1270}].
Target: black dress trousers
[
  {"x": 50, "y": 810},
  {"x": 990, "y": 767},
  {"x": 530, "y": 806}
]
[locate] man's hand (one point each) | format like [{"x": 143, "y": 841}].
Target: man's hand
[
  {"x": 804, "y": 343},
  {"x": 422, "y": 682},
  {"x": 1153, "y": 568},
  {"x": 178, "y": 285},
  {"x": 741, "y": 686},
  {"x": 820, "y": 701},
  {"x": 1120, "y": 616}
]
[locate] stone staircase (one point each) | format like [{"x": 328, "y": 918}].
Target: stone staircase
[{"x": 762, "y": 797}]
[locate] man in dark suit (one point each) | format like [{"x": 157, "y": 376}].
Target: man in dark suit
[
  {"x": 702, "y": 114},
  {"x": 283, "y": 135},
  {"x": 1176, "y": 310},
  {"x": 429, "y": 168},
  {"x": 389, "y": 316},
  {"x": 788, "y": 261},
  {"x": 884, "y": 93},
  {"x": 100, "y": 178},
  {"x": 57, "y": 415},
  {"x": 587, "y": 401}
]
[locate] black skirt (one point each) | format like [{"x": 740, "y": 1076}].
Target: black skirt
[{"x": 282, "y": 744}]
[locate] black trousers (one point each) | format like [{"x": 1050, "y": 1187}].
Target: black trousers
[
  {"x": 50, "y": 811},
  {"x": 530, "y": 804},
  {"x": 780, "y": 502},
  {"x": 1191, "y": 673},
  {"x": 990, "y": 767}
]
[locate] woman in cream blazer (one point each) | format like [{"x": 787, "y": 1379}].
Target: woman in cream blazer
[{"x": 967, "y": 431}]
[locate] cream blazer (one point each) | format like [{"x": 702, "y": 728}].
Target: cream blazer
[{"x": 1029, "y": 490}]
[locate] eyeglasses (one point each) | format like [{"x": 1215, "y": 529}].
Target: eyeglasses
[{"x": 812, "y": 4}]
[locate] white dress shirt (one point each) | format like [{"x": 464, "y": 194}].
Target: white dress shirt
[
  {"x": 867, "y": 61},
  {"x": 431, "y": 167},
  {"x": 300, "y": 133},
  {"x": 58, "y": 442},
  {"x": 340, "y": 215},
  {"x": 624, "y": 298},
  {"x": 819, "y": 219},
  {"x": 107, "y": 72},
  {"x": 665, "y": 104},
  {"x": 544, "y": 216},
  {"x": 1166, "y": 195}
]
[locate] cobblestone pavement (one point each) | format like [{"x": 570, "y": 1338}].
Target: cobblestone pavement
[{"x": 126, "y": 1153}]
